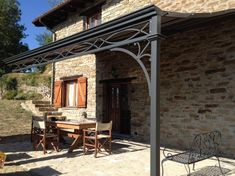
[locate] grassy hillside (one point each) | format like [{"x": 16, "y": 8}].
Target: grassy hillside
[
  {"x": 24, "y": 86},
  {"x": 13, "y": 119}
]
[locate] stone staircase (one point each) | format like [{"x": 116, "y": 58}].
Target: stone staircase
[{"x": 38, "y": 107}]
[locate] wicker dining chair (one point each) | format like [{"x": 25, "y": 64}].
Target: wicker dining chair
[
  {"x": 97, "y": 138},
  {"x": 43, "y": 135}
]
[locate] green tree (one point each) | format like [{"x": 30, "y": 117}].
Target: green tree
[
  {"x": 44, "y": 38},
  {"x": 11, "y": 32}
]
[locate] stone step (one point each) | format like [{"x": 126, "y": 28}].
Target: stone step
[
  {"x": 37, "y": 102},
  {"x": 56, "y": 117},
  {"x": 55, "y": 113},
  {"x": 43, "y": 105},
  {"x": 47, "y": 109}
]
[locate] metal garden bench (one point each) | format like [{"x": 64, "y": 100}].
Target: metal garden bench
[{"x": 204, "y": 146}]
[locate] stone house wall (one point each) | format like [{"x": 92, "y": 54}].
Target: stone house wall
[
  {"x": 197, "y": 75},
  {"x": 86, "y": 66},
  {"x": 116, "y": 8},
  {"x": 198, "y": 85},
  {"x": 138, "y": 96}
]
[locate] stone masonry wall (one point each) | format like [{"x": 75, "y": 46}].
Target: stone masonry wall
[
  {"x": 198, "y": 85},
  {"x": 197, "y": 75},
  {"x": 86, "y": 66},
  {"x": 138, "y": 97},
  {"x": 116, "y": 8}
]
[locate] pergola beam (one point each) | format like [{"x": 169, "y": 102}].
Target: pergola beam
[{"x": 141, "y": 27}]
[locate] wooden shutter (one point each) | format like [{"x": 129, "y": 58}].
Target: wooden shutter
[
  {"x": 82, "y": 92},
  {"x": 58, "y": 94}
]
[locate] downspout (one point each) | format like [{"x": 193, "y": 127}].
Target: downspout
[
  {"x": 53, "y": 63},
  {"x": 53, "y": 71}
]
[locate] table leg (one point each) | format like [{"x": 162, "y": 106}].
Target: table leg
[{"x": 75, "y": 143}]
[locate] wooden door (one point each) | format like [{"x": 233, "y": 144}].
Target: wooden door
[{"x": 117, "y": 108}]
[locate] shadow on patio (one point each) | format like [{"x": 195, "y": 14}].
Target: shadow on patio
[
  {"x": 63, "y": 163},
  {"x": 34, "y": 172},
  {"x": 129, "y": 157}
]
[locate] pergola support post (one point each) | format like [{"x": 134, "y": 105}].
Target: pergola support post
[
  {"x": 52, "y": 82},
  {"x": 155, "y": 29}
]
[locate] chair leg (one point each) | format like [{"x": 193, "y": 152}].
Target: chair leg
[
  {"x": 31, "y": 137},
  {"x": 54, "y": 145},
  {"x": 96, "y": 148},
  {"x": 189, "y": 171},
  {"x": 84, "y": 145},
  {"x": 220, "y": 166},
  {"x": 58, "y": 140},
  {"x": 110, "y": 146},
  {"x": 194, "y": 166},
  {"x": 162, "y": 166},
  {"x": 34, "y": 142},
  {"x": 44, "y": 145}
]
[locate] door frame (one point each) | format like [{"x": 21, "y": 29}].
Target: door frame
[{"x": 106, "y": 84}]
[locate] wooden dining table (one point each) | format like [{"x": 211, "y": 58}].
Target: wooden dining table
[{"x": 77, "y": 126}]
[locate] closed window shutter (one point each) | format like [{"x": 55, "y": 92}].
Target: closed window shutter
[
  {"x": 82, "y": 92},
  {"x": 58, "y": 94}
]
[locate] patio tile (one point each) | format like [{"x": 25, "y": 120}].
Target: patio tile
[{"x": 128, "y": 158}]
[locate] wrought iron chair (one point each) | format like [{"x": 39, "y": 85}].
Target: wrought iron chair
[
  {"x": 42, "y": 134},
  {"x": 204, "y": 146},
  {"x": 100, "y": 137}
]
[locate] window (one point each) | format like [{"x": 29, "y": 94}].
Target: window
[
  {"x": 71, "y": 92},
  {"x": 93, "y": 19}
]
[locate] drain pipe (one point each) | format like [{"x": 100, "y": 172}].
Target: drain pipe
[
  {"x": 53, "y": 63},
  {"x": 53, "y": 72}
]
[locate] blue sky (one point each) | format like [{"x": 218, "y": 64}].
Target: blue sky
[{"x": 30, "y": 10}]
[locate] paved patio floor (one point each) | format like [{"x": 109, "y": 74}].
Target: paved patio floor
[{"x": 128, "y": 159}]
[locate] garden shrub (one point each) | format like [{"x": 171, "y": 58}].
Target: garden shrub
[
  {"x": 10, "y": 95},
  {"x": 31, "y": 80},
  {"x": 11, "y": 83},
  {"x": 27, "y": 96},
  {"x": 8, "y": 83}
]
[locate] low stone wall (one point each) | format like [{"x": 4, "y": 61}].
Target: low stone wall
[{"x": 42, "y": 90}]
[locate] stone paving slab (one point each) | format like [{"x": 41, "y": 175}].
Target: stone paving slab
[{"x": 128, "y": 159}]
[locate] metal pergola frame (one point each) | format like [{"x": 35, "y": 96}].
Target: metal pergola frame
[{"x": 141, "y": 28}]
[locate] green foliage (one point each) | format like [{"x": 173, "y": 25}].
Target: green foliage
[
  {"x": 10, "y": 95},
  {"x": 11, "y": 83},
  {"x": 11, "y": 31},
  {"x": 30, "y": 80},
  {"x": 44, "y": 38},
  {"x": 27, "y": 95},
  {"x": 8, "y": 83},
  {"x": 48, "y": 81},
  {"x": 20, "y": 95}
]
